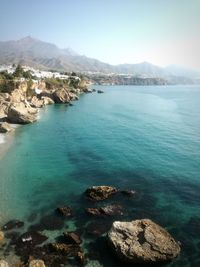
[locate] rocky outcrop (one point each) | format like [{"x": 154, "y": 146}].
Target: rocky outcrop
[
  {"x": 142, "y": 241},
  {"x": 61, "y": 96},
  {"x": 47, "y": 100},
  {"x": 110, "y": 210},
  {"x": 36, "y": 263},
  {"x": 3, "y": 263},
  {"x": 21, "y": 113},
  {"x": 72, "y": 238},
  {"x": 5, "y": 127},
  {"x": 97, "y": 193},
  {"x": 65, "y": 249},
  {"x": 37, "y": 103},
  {"x": 64, "y": 211},
  {"x": 13, "y": 224}
]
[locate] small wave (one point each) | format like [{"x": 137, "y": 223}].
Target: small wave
[{"x": 2, "y": 139}]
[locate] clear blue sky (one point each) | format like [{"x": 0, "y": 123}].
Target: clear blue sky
[{"x": 114, "y": 31}]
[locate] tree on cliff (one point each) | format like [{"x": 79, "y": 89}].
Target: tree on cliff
[{"x": 18, "y": 71}]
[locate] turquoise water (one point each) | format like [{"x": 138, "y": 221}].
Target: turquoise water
[{"x": 141, "y": 138}]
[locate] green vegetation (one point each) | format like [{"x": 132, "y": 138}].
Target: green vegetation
[
  {"x": 52, "y": 83},
  {"x": 20, "y": 73},
  {"x": 7, "y": 82}
]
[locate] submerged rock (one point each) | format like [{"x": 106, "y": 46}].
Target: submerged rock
[
  {"x": 72, "y": 238},
  {"x": 128, "y": 193},
  {"x": 13, "y": 224},
  {"x": 31, "y": 238},
  {"x": 5, "y": 127},
  {"x": 36, "y": 263},
  {"x": 65, "y": 211},
  {"x": 97, "y": 193},
  {"x": 65, "y": 249},
  {"x": 110, "y": 210},
  {"x": 100, "y": 91},
  {"x": 142, "y": 241},
  {"x": 97, "y": 228}
]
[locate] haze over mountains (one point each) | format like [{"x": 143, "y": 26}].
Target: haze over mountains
[{"x": 43, "y": 55}]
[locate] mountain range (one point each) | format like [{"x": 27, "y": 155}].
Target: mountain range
[{"x": 33, "y": 52}]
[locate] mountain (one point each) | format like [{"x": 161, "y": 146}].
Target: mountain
[{"x": 44, "y": 55}]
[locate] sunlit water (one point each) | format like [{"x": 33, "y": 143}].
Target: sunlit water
[{"x": 141, "y": 138}]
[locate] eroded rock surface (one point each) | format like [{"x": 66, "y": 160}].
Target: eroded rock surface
[
  {"x": 142, "y": 241},
  {"x": 97, "y": 193}
]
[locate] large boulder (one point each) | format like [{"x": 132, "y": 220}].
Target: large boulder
[
  {"x": 21, "y": 113},
  {"x": 61, "y": 96},
  {"x": 102, "y": 192},
  {"x": 47, "y": 100},
  {"x": 142, "y": 241},
  {"x": 5, "y": 127}
]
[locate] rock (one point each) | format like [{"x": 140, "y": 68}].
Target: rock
[
  {"x": 13, "y": 224},
  {"x": 36, "y": 263},
  {"x": 142, "y": 241},
  {"x": 64, "y": 249},
  {"x": 110, "y": 210},
  {"x": 47, "y": 100},
  {"x": 1, "y": 236},
  {"x": 100, "y": 192},
  {"x": 5, "y": 127},
  {"x": 31, "y": 238},
  {"x": 61, "y": 96},
  {"x": 3, "y": 263},
  {"x": 21, "y": 113},
  {"x": 48, "y": 222},
  {"x": 65, "y": 211},
  {"x": 72, "y": 238},
  {"x": 100, "y": 91},
  {"x": 81, "y": 257},
  {"x": 128, "y": 193},
  {"x": 37, "y": 103}
]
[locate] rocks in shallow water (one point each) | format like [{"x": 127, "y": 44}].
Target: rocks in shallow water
[
  {"x": 48, "y": 222},
  {"x": 97, "y": 193},
  {"x": 65, "y": 249},
  {"x": 97, "y": 228},
  {"x": 32, "y": 238},
  {"x": 110, "y": 210},
  {"x": 3, "y": 263},
  {"x": 5, "y": 127},
  {"x": 36, "y": 263},
  {"x": 128, "y": 193},
  {"x": 72, "y": 238},
  {"x": 100, "y": 91},
  {"x": 65, "y": 211},
  {"x": 13, "y": 224},
  {"x": 142, "y": 241},
  {"x": 80, "y": 257}
]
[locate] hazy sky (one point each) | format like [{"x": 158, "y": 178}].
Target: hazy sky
[{"x": 115, "y": 31}]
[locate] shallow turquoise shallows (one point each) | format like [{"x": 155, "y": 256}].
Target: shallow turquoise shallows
[{"x": 141, "y": 138}]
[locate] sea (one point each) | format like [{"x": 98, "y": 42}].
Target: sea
[{"x": 141, "y": 138}]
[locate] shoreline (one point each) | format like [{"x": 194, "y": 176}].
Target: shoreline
[{"x": 6, "y": 144}]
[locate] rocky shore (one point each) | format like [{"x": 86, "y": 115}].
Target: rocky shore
[
  {"x": 22, "y": 104},
  {"x": 140, "y": 241}
]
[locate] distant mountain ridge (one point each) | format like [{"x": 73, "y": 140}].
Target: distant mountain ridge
[{"x": 44, "y": 55}]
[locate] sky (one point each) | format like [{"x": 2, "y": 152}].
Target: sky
[{"x": 162, "y": 32}]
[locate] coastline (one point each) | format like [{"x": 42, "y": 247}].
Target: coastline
[{"x": 7, "y": 140}]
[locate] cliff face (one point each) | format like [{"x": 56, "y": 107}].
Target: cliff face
[{"x": 21, "y": 105}]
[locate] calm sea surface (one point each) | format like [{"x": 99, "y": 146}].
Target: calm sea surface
[{"x": 141, "y": 138}]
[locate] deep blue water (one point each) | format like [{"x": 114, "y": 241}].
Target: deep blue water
[{"x": 141, "y": 138}]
